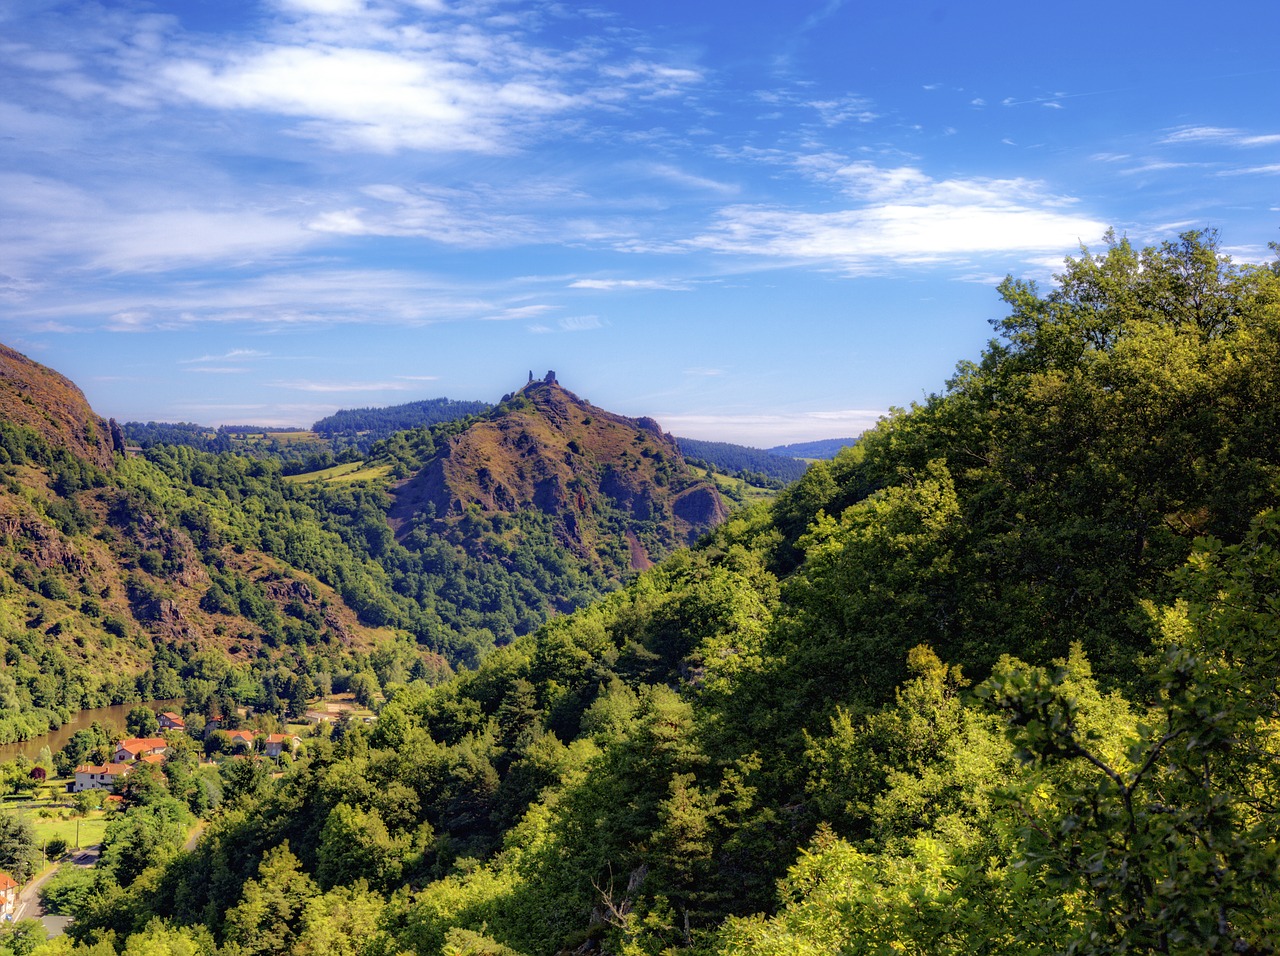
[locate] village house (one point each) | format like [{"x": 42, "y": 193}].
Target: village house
[
  {"x": 241, "y": 739},
  {"x": 99, "y": 776},
  {"x": 171, "y": 721},
  {"x": 8, "y": 896},
  {"x": 278, "y": 743},
  {"x": 131, "y": 748}
]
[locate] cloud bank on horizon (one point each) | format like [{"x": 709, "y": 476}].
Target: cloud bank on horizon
[{"x": 742, "y": 219}]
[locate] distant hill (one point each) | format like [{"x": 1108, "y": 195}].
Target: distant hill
[
  {"x": 744, "y": 461},
  {"x": 361, "y": 427},
  {"x": 823, "y": 448},
  {"x": 615, "y": 491}
]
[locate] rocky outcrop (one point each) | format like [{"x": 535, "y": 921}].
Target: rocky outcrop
[
  {"x": 35, "y": 397},
  {"x": 597, "y": 474}
]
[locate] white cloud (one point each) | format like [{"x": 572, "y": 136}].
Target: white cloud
[
  {"x": 613, "y": 285},
  {"x": 580, "y": 323},
  {"x": 452, "y": 217},
  {"x": 278, "y": 299},
  {"x": 679, "y": 177},
  {"x": 907, "y": 217},
  {"x": 326, "y": 7},
  {"x": 835, "y": 112},
  {"x": 232, "y": 354},
  {"x": 139, "y": 232},
  {"x": 1271, "y": 169},
  {"x": 1219, "y": 134},
  {"x": 376, "y": 100},
  {"x": 763, "y": 429}
]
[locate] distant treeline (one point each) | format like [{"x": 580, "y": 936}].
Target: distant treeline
[
  {"x": 361, "y": 427},
  {"x": 199, "y": 437},
  {"x": 738, "y": 459},
  {"x": 823, "y": 448}
]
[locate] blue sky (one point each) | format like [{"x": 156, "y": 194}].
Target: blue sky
[{"x": 758, "y": 222}]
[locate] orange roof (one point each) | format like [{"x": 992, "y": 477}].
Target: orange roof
[
  {"x": 115, "y": 768},
  {"x": 281, "y": 738},
  {"x": 7, "y": 882},
  {"x": 153, "y": 758},
  {"x": 136, "y": 745}
]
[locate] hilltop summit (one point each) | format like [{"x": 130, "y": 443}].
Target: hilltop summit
[{"x": 610, "y": 485}]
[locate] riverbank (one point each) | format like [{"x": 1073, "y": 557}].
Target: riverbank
[{"x": 111, "y": 716}]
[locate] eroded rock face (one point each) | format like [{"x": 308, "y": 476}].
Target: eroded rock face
[
  {"x": 700, "y": 507},
  {"x": 35, "y": 397},
  {"x": 597, "y": 474}
]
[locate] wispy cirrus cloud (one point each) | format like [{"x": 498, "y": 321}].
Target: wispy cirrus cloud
[
  {"x": 287, "y": 299},
  {"x": 617, "y": 285},
  {"x": 304, "y": 385},
  {"x": 1271, "y": 169},
  {"x": 130, "y": 231},
  {"x": 232, "y": 354},
  {"x": 1221, "y": 135},
  {"x": 571, "y": 323}
]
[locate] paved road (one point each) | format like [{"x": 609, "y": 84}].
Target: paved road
[{"x": 29, "y": 905}]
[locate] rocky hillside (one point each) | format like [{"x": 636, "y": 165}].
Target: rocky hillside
[
  {"x": 156, "y": 576},
  {"x": 600, "y": 478},
  {"x": 38, "y": 398}
]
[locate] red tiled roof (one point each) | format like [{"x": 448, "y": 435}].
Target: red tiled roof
[
  {"x": 136, "y": 745},
  {"x": 7, "y": 882},
  {"x": 281, "y": 738},
  {"x": 153, "y": 758},
  {"x": 113, "y": 768}
]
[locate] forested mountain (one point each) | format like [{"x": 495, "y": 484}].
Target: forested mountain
[
  {"x": 741, "y": 461},
  {"x": 361, "y": 427},
  {"x": 181, "y": 572},
  {"x": 823, "y": 448},
  {"x": 121, "y": 579},
  {"x": 999, "y": 679}
]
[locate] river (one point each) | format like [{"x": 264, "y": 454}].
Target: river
[{"x": 56, "y": 739}]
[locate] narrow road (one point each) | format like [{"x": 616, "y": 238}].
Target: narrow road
[{"x": 29, "y": 905}]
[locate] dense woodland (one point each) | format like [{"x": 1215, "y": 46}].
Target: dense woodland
[
  {"x": 360, "y": 427},
  {"x": 1000, "y": 678},
  {"x": 761, "y": 467},
  {"x": 822, "y": 448}
]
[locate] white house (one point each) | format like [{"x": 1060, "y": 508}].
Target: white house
[{"x": 99, "y": 776}]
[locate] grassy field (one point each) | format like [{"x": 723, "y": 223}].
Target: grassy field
[
  {"x": 53, "y": 821},
  {"x": 731, "y": 487},
  {"x": 351, "y": 471}
]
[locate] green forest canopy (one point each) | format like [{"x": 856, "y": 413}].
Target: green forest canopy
[{"x": 1001, "y": 678}]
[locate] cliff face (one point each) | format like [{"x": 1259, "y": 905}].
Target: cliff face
[
  {"x": 36, "y": 397},
  {"x": 600, "y": 477}
]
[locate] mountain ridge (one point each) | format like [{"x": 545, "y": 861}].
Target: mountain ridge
[{"x": 587, "y": 469}]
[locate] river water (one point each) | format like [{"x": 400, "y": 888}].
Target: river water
[{"x": 56, "y": 739}]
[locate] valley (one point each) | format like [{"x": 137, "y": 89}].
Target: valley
[{"x": 998, "y": 677}]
